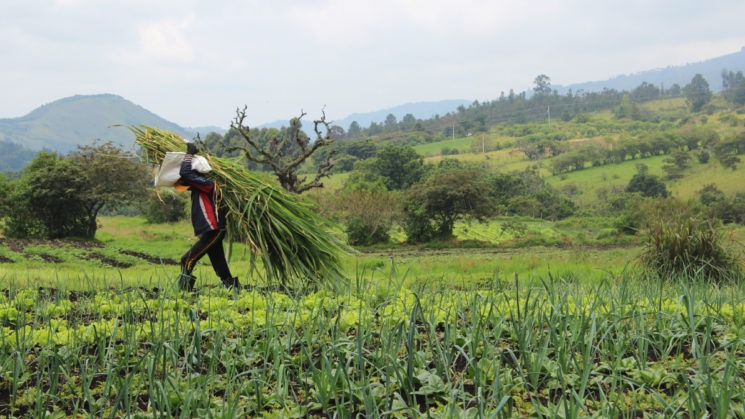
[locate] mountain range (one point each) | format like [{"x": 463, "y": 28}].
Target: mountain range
[
  {"x": 710, "y": 69},
  {"x": 82, "y": 119}
]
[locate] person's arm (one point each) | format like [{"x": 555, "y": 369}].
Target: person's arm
[{"x": 190, "y": 176}]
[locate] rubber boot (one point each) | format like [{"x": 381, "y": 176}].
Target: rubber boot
[
  {"x": 231, "y": 283},
  {"x": 186, "y": 281}
]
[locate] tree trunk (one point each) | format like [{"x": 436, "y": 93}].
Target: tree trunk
[{"x": 90, "y": 232}]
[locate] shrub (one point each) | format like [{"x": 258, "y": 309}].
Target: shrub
[
  {"x": 686, "y": 246},
  {"x": 164, "y": 207},
  {"x": 368, "y": 210},
  {"x": 361, "y": 233},
  {"x": 647, "y": 185},
  {"x": 46, "y": 202},
  {"x": 418, "y": 226}
]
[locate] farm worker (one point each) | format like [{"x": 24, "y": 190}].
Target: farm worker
[{"x": 209, "y": 226}]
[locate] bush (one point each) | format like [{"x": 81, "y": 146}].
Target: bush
[
  {"x": 418, "y": 226},
  {"x": 360, "y": 233},
  {"x": 368, "y": 210},
  {"x": 164, "y": 207},
  {"x": 647, "y": 185},
  {"x": 685, "y": 246},
  {"x": 46, "y": 202}
]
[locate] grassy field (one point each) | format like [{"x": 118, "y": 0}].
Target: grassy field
[
  {"x": 516, "y": 317},
  {"x": 130, "y": 252},
  {"x": 99, "y": 329}
]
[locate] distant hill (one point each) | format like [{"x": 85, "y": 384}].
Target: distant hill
[
  {"x": 63, "y": 124},
  {"x": 420, "y": 110},
  {"x": 710, "y": 69}
]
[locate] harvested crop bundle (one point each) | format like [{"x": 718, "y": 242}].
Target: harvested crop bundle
[{"x": 294, "y": 244}]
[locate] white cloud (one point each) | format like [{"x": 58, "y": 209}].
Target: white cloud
[
  {"x": 195, "y": 61},
  {"x": 166, "y": 40}
]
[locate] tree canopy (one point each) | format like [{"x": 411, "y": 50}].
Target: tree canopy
[
  {"x": 434, "y": 205},
  {"x": 400, "y": 166},
  {"x": 697, "y": 93},
  {"x": 647, "y": 185},
  {"x": 59, "y": 197}
]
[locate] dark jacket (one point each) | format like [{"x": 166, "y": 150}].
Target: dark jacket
[{"x": 205, "y": 216}]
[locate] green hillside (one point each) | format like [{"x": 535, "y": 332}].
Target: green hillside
[
  {"x": 665, "y": 128},
  {"x": 501, "y": 148},
  {"x": 63, "y": 124}
]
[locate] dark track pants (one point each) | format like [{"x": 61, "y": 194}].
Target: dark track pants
[{"x": 209, "y": 243}]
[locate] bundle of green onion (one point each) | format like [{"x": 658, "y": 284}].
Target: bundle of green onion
[{"x": 295, "y": 245}]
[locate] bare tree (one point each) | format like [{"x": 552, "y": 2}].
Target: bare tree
[{"x": 286, "y": 152}]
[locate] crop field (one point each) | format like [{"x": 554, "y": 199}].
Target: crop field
[{"x": 100, "y": 329}]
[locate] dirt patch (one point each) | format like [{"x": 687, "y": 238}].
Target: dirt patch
[
  {"x": 152, "y": 259},
  {"x": 19, "y": 245},
  {"x": 48, "y": 258},
  {"x": 107, "y": 260}
]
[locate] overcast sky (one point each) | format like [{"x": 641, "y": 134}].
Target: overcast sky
[{"x": 194, "y": 62}]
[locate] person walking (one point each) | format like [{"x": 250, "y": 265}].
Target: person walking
[{"x": 209, "y": 226}]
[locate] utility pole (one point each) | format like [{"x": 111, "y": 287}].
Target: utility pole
[{"x": 548, "y": 111}]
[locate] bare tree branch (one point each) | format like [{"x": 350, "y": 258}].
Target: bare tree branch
[{"x": 286, "y": 153}]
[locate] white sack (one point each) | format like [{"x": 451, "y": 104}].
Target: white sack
[
  {"x": 168, "y": 173},
  {"x": 200, "y": 164}
]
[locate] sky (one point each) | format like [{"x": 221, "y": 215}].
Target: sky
[{"x": 194, "y": 62}]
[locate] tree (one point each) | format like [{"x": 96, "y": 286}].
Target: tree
[
  {"x": 697, "y": 93},
  {"x": 710, "y": 194},
  {"x": 336, "y": 132},
  {"x": 410, "y": 123},
  {"x": 361, "y": 149},
  {"x": 46, "y": 201},
  {"x": 728, "y": 151},
  {"x": 733, "y": 87},
  {"x": 647, "y": 185},
  {"x": 286, "y": 153},
  {"x": 527, "y": 193},
  {"x": 5, "y": 190},
  {"x": 62, "y": 196},
  {"x": 434, "y": 205},
  {"x": 627, "y": 109},
  {"x": 354, "y": 129},
  {"x": 645, "y": 91},
  {"x": 676, "y": 163},
  {"x": 542, "y": 84},
  {"x": 400, "y": 166},
  {"x": 112, "y": 178},
  {"x": 391, "y": 123}
]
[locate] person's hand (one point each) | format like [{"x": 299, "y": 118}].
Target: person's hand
[{"x": 191, "y": 148}]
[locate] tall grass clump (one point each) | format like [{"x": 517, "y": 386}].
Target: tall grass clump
[
  {"x": 295, "y": 245},
  {"x": 684, "y": 245}
]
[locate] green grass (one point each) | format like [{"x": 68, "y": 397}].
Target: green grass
[
  {"x": 462, "y": 144},
  {"x": 152, "y": 251},
  {"x": 589, "y": 181}
]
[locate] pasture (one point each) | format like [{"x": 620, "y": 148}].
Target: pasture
[{"x": 569, "y": 328}]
